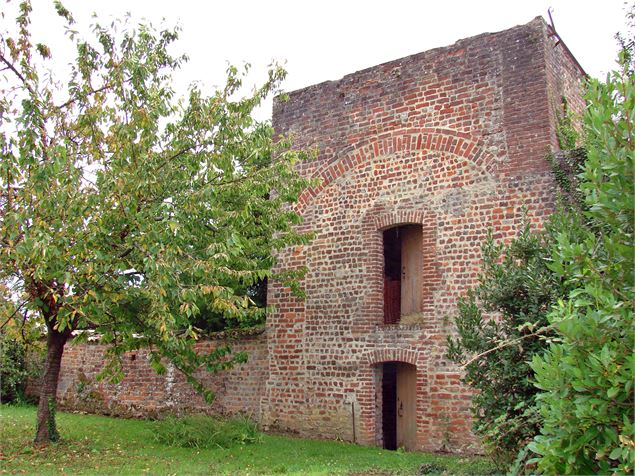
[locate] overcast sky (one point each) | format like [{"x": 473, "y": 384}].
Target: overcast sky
[{"x": 327, "y": 39}]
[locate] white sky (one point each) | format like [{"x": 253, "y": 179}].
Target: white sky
[{"x": 327, "y": 39}]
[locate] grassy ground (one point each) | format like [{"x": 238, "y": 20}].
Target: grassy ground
[{"x": 101, "y": 445}]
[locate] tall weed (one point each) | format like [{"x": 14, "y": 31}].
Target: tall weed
[{"x": 196, "y": 431}]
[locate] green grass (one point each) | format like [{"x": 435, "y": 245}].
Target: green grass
[
  {"x": 100, "y": 445},
  {"x": 197, "y": 431}
]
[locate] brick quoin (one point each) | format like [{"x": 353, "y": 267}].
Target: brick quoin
[{"x": 451, "y": 140}]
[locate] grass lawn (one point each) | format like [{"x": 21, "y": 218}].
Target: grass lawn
[{"x": 102, "y": 445}]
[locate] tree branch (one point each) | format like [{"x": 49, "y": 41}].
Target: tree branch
[
  {"x": 12, "y": 68},
  {"x": 507, "y": 343},
  {"x": 17, "y": 309},
  {"x": 92, "y": 91}
]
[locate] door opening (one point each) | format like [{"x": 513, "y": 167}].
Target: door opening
[
  {"x": 392, "y": 276},
  {"x": 399, "y": 405},
  {"x": 389, "y": 405},
  {"x": 403, "y": 263}
]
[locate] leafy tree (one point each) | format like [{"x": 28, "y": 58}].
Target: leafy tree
[
  {"x": 122, "y": 209},
  {"x": 586, "y": 376},
  {"x": 501, "y": 324}
]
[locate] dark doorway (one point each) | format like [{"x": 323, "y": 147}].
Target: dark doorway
[
  {"x": 389, "y": 405},
  {"x": 399, "y": 408},
  {"x": 403, "y": 263},
  {"x": 392, "y": 276}
]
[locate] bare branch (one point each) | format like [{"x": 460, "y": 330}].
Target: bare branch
[
  {"x": 508, "y": 343},
  {"x": 16, "y": 311},
  {"x": 92, "y": 91},
  {"x": 13, "y": 69}
]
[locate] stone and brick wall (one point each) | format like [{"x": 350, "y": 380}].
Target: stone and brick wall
[
  {"x": 452, "y": 139},
  {"x": 143, "y": 393}
]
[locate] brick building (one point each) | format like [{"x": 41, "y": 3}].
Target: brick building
[{"x": 417, "y": 158}]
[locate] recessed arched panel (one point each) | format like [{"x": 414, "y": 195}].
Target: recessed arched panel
[{"x": 408, "y": 140}]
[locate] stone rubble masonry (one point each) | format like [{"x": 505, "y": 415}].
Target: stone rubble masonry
[{"x": 453, "y": 139}]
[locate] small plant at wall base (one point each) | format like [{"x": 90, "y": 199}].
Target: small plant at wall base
[
  {"x": 501, "y": 324},
  {"x": 116, "y": 196},
  {"x": 206, "y": 432}
]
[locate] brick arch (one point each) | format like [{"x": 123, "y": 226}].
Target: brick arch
[
  {"x": 379, "y": 218},
  {"x": 454, "y": 142},
  {"x": 379, "y": 356},
  {"x": 387, "y": 219}
]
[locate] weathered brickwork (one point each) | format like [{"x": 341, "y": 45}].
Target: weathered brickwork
[
  {"x": 452, "y": 139},
  {"x": 143, "y": 393}
]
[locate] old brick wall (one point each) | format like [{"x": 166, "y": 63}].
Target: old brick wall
[
  {"x": 563, "y": 72},
  {"x": 453, "y": 139},
  {"x": 143, "y": 393}
]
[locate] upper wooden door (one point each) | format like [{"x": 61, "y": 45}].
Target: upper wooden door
[{"x": 411, "y": 267}]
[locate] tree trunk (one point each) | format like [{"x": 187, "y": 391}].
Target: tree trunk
[{"x": 46, "y": 430}]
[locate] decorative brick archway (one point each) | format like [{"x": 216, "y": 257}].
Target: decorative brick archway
[
  {"x": 379, "y": 356},
  {"x": 373, "y": 225},
  {"x": 369, "y": 392}
]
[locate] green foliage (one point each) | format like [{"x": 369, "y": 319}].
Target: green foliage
[
  {"x": 566, "y": 166},
  {"x": 503, "y": 323},
  {"x": 127, "y": 211},
  {"x": 20, "y": 359},
  {"x": 431, "y": 468},
  {"x": 567, "y": 134},
  {"x": 206, "y": 432},
  {"x": 52, "y": 425},
  {"x": 586, "y": 376},
  {"x": 13, "y": 369}
]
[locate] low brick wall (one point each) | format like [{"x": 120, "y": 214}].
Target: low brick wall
[{"x": 143, "y": 393}]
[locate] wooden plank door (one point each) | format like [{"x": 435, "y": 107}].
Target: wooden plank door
[
  {"x": 411, "y": 267},
  {"x": 406, "y": 406}
]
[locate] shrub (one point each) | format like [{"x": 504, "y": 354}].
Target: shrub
[
  {"x": 197, "y": 431},
  {"x": 586, "y": 377},
  {"x": 500, "y": 325},
  {"x": 431, "y": 468},
  {"x": 13, "y": 369}
]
